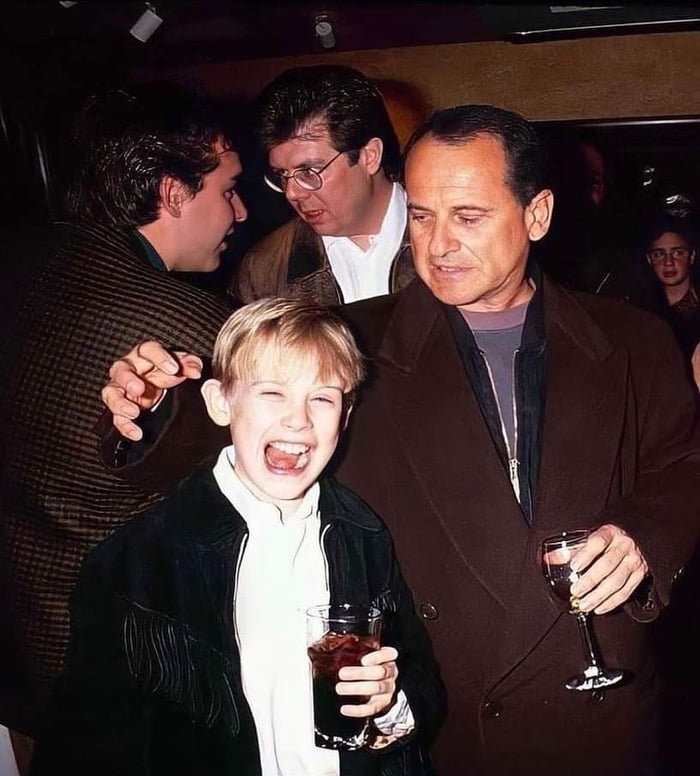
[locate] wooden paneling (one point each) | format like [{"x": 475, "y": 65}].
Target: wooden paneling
[{"x": 608, "y": 77}]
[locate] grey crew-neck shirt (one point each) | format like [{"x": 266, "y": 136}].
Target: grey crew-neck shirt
[{"x": 498, "y": 336}]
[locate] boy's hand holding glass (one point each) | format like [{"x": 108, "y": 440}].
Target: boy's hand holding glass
[{"x": 375, "y": 679}]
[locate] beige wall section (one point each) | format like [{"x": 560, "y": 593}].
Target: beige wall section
[{"x": 612, "y": 77}]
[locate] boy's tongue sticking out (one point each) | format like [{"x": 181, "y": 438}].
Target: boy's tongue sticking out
[{"x": 286, "y": 455}]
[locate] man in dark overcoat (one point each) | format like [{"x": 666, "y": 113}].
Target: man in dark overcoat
[
  {"x": 155, "y": 191},
  {"x": 501, "y": 410}
]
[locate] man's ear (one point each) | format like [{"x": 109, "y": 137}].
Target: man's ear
[
  {"x": 372, "y": 154},
  {"x": 173, "y": 193},
  {"x": 216, "y": 402},
  {"x": 538, "y": 214}
]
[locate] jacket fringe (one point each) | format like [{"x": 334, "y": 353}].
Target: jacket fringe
[{"x": 168, "y": 661}]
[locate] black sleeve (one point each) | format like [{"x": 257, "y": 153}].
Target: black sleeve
[
  {"x": 178, "y": 436},
  {"x": 97, "y": 722}
]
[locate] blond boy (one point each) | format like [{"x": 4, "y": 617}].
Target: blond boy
[{"x": 188, "y": 641}]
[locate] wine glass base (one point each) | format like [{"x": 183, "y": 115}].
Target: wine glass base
[{"x": 594, "y": 678}]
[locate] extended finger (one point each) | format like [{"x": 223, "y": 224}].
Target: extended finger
[
  {"x": 157, "y": 355},
  {"x": 125, "y": 374},
  {"x": 189, "y": 365},
  {"x": 114, "y": 398},
  {"x": 127, "y": 428}
]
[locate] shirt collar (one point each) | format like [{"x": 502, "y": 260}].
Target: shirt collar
[
  {"x": 393, "y": 224},
  {"x": 246, "y": 503},
  {"x": 150, "y": 252}
]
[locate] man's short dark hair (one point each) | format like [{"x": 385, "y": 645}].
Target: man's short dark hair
[
  {"x": 126, "y": 143},
  {"x": 521, "y": 144},
  {"x": 349, "y": 103},
  {"x": 663, "y": 223}
]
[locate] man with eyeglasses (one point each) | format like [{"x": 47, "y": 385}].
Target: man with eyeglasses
[
  {"x": 333, "y": 153},
  {"x": 671, "y": 256}
]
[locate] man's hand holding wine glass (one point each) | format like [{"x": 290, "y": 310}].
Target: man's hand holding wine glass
[{"x": 611, "y": 567}]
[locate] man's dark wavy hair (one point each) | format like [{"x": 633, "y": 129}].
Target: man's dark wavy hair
[
  {"x": 125, "y": 143},
  {"x": 350, "y": 104},
  {"x": 520, "y": 141}
]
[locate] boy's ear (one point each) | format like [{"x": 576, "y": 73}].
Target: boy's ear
[
  {"x": 173, "y": 194},
  {"x": 347, "y": 411},
  {"x": 217, "y": 404}
]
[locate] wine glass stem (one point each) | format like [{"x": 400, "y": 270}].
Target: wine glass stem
[{"x": 589, "y": 649}]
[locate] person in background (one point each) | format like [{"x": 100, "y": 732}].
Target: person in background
[
  {"x": 671, "y": 255},
  {"x": 155, "y": 680},
  {"x": 154, "y": 192},
  {"x": 333, "y": 153}
]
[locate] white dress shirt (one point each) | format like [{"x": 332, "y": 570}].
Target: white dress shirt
[
  {"x": 281, "y": 573},
  {"x": 363, "y": 274}
]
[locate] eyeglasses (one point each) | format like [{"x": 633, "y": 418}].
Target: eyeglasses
[
  {"x": 677, "y": 254},
  {"x": 305, "y": 177}
]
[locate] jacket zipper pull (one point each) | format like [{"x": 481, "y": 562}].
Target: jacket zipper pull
[{"x": 513, "y": 471}]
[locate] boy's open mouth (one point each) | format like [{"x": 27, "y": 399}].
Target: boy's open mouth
[{"x": 286, "y": 455}]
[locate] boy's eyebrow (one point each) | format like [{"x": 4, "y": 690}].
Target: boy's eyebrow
[{"x": 279, "y": 382}]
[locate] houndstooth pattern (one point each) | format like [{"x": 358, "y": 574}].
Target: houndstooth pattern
[{"x": 92, "y": 299}]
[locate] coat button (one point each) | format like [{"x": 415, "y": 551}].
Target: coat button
[
  {"x": 678, "y": 574},
  {"x": 493, "y": 709},
  {"x": 428, "y": 611}
]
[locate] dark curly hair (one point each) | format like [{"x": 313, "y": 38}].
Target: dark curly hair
[
  {"x": 350, "y": 104},
  {"x": 125, "y": 143},
  {"x": 520, "y": 141}
]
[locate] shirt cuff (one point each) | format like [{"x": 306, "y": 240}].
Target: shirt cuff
[
  {"x": 160, "y": 400},
  {"x": 398, "y": 720}
]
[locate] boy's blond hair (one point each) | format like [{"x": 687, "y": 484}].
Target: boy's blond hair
[{"x": 297, "y": 331}]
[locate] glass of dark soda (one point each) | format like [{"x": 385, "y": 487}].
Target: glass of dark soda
[{"x": 339, "y": 636}]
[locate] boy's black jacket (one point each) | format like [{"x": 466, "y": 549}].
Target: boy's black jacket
[{"x": 152, "y": 683}]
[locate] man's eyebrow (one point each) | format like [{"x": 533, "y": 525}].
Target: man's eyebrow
[
  {"x": 307, "y": 163},
  {"x": 471, "y": 208},
  {"x": 453, "y": 209},
  {"x": 418, "y": 206}
]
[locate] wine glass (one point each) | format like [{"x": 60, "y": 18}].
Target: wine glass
[{"x": 557, "y": 553}]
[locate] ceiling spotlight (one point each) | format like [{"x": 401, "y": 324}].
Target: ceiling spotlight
[
  {"x": 323, "y": 29},
  {"x": 68, "y": 3},
  {"x": 146, "y": 24}
]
